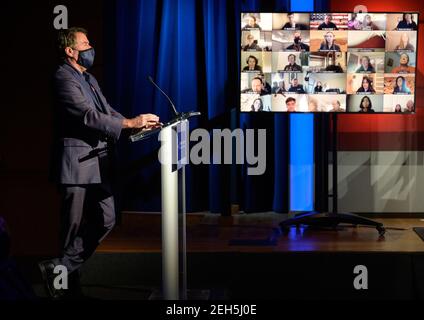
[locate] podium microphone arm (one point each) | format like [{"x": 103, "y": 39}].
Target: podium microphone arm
[{"x": 167, "y": 97}]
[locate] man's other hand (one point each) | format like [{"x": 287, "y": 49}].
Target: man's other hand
[{"x": 142, "y": 121}]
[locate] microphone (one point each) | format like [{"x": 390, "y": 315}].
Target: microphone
[{"x": 167, "y": 97}]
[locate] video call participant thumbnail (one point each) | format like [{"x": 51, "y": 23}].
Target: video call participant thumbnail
[
  {"x": 327, "y": 24},
  {"x": 404, "y": 43},
  {"x": 407, "y": 23},
  {"x": 251, "y": 23},
  {"x": 365, "y": 105},
  {"x": 329, "y": 43},
  {"x": 366, "y": 86},
  {"x": 398, "y": 103},
  {"x": 292, "y": 23},
  {"x": 327, "y": 62},
  {"x": 327, "y": 103},
  {"x": 291, "y": 104},
  {"x": 256, "y": 86},
  {"x": 296, "y": 87},
  {"x": 366, "y": 23},
  {"x": 401, "y": 86},
  {"x": 279, "y": 88},
  {"x": 404, "y": 66},
  {"x": 297, "y": 44},
  {"x": 313, "y": 104},
  {"x": 252, "y": 64},
  {"x": 336, "y": 106},
  {"x": 251, "y": 44},
  {"x": 366, "y": 66},
  {"x": 367, "y": 41},
  {"x": 354, "y": 23},
  {"x": 292, "y": 66},
  {"x": 258, "y": 106}
]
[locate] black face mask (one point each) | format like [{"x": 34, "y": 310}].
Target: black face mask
[
  {"x": 296, "y": 40},
  {"x": 86, "y": 58}
]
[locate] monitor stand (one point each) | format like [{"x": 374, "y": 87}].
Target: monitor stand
[{"x": 334, "y": 218}]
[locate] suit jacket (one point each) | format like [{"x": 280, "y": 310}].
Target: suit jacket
[{"x": 86, "y": 128}]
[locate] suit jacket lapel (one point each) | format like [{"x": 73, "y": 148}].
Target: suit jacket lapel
[{"x": 87, "y": 91}]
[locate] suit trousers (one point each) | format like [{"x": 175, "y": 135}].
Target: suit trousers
[{"x": 88, "y": 215}]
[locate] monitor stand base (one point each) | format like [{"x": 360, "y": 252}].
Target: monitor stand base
[{"x": 329, "y": 219}]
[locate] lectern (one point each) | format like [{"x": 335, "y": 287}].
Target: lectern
[{"x": 173, "y": 156}]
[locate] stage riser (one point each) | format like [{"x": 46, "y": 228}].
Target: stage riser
[{"x": 272, "y": 275}]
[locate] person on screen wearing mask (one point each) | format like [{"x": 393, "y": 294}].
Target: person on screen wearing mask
[
  {"x": 329, "y": 43},
  {"x": 407, "y": 23},
  {"x": 366, "y": 105},
  {"x": 292, "y": 24},
  {"x": 404, "y": 66},
  {"x": 366, "y": 66},
  {"x": 87, "y": 128},
  {"x": 297, "y": 44}
]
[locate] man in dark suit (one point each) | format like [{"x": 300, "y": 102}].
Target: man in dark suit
[{"x": 87, "y": 128}]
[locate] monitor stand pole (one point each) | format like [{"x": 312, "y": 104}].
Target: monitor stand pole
[{"x": 334, "y": 218}]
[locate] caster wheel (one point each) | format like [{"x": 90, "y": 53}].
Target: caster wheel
[{"x": 381, "y": 231}]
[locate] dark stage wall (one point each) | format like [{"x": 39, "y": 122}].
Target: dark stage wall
[{"x": 28, "y": 201}]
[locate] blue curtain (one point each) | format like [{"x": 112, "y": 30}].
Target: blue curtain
[{"x": 191, "y": 48}]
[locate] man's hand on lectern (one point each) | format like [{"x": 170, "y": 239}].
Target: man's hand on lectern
[{"x": 143, "y": 121}]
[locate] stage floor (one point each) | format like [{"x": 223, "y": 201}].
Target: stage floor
[
  {"x": 259, "y": 233},
  {"x": 244, "y": 256}
]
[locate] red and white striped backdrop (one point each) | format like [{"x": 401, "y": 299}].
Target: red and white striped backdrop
[{"x": 386, "y": 132}]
